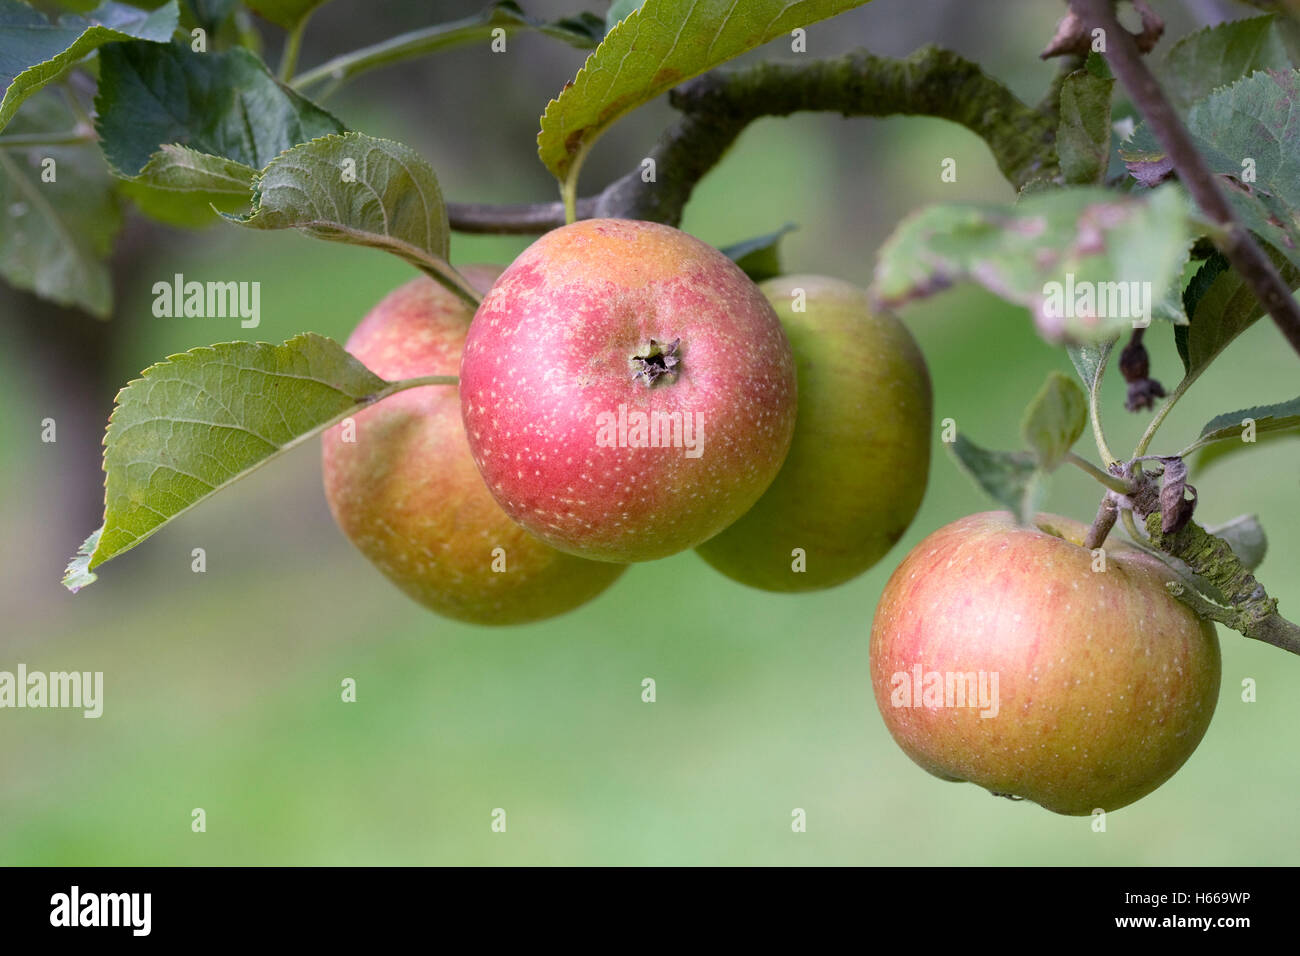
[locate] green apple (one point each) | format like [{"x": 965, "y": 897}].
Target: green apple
[{"x": 857, "y": 467}]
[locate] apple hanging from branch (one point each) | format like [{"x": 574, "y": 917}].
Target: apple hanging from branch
[
  {"x": 627, "y": 390},
  {"x": 406, "y": 492},
  {"x": 1015, "y": 658},
  {"x": 857, "y": 468}
]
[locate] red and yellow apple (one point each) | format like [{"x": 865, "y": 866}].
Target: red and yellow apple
[
  {"x": 1006, "y": 656},
  {"x": 406, "y": 492},
  {"x": 857, "y": 468},
  {"x": 627, "y": 391}
]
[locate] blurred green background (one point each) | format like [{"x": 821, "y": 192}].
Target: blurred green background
[{"x": 223, "y": 689}]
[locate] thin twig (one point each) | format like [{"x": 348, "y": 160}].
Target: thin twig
[
  {"x": 1239, "y": 246},
  {"x": 292, "y": 47},
  {"x": 78, "y": 136}
]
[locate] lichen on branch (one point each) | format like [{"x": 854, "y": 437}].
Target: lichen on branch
[
  {"x": 1249, "y": 608},
  {"x": 717, "y": 107}
]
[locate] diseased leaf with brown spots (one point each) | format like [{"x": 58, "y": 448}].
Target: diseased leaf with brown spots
[{"x": 1085, "y": 261}]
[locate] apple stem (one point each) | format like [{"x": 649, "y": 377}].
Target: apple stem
[
  {"x": 1107, "y": 514},
  {"x": 403, "y": 384}
]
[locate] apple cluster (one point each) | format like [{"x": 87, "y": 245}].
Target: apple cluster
[{"x": 627, "y": 393}]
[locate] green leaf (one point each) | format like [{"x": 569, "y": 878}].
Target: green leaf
[
  {"x": 1084, "y": 135},
  {"x": 1248, "y": 134},
  {"x": 1011, "y": 478},
  {"x": 184, "y": 187},
  {"x": 1245, "y": 536},
  {"x": 1201, "y": 62},
  {"x": 191, "y": 425},
  {"x": 34, "y": 51},
  {"x": 181, "y": 186},
  {"x": 1209, "y": 454},
  {"x": 656, "y": 47},
  {"x": 1221, "y": 306},
  {"x": 224, "y": 104},
  {"x": 619, "y": 10},
  {"x": 212, "y": 14},
  {"x": 759, "y": 257},
  {"x": 284, "y": 13},
  {"x": 1055, "y": 419},
  {"x": 185, "y": 169},
  {"x": 582, "y": 30},
  {"x": 361, "y": 190},
  {"x": 56, "y": 235},
  {"x": 1087, "y": 262},
  {"x": 1090, "y": 362},
  {"x": 1232, "y": 426}
]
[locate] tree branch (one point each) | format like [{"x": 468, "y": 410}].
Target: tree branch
[
  {"x": 1237, "y": 245},
  {"x": 717, "y": 107},
  {"x": 1251, "y": 611}
]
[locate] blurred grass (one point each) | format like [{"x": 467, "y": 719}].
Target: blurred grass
[{"x": 223, "y": 689}]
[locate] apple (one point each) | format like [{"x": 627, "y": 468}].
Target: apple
[
  {"x": 1093, "y": 686},
  {"x": 857, "y": 467},
  {"x": 406, "y": 492},
  {"x": 627, "y": 390}
]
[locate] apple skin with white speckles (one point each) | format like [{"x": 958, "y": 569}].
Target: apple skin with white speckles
[
  {"x": 857, "y": 468},
  {"x": 406, "y": 491},
  {"x": 1105, "y": 682},
  {"x": 552, "y": 400}
]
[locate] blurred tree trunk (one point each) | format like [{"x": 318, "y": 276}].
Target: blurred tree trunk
[{"x": 68, "y": 360}]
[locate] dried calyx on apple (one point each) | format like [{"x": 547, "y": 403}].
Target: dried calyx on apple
[{"x": 656, "y": 361}]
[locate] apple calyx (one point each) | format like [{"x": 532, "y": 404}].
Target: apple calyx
[{"x": 656, "y": 360}]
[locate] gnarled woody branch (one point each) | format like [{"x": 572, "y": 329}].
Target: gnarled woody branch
[
  {"x": 1246, "y": 608},
  {"x": 718, "y": 106},
  {"x": 1251, "y": 611}
]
